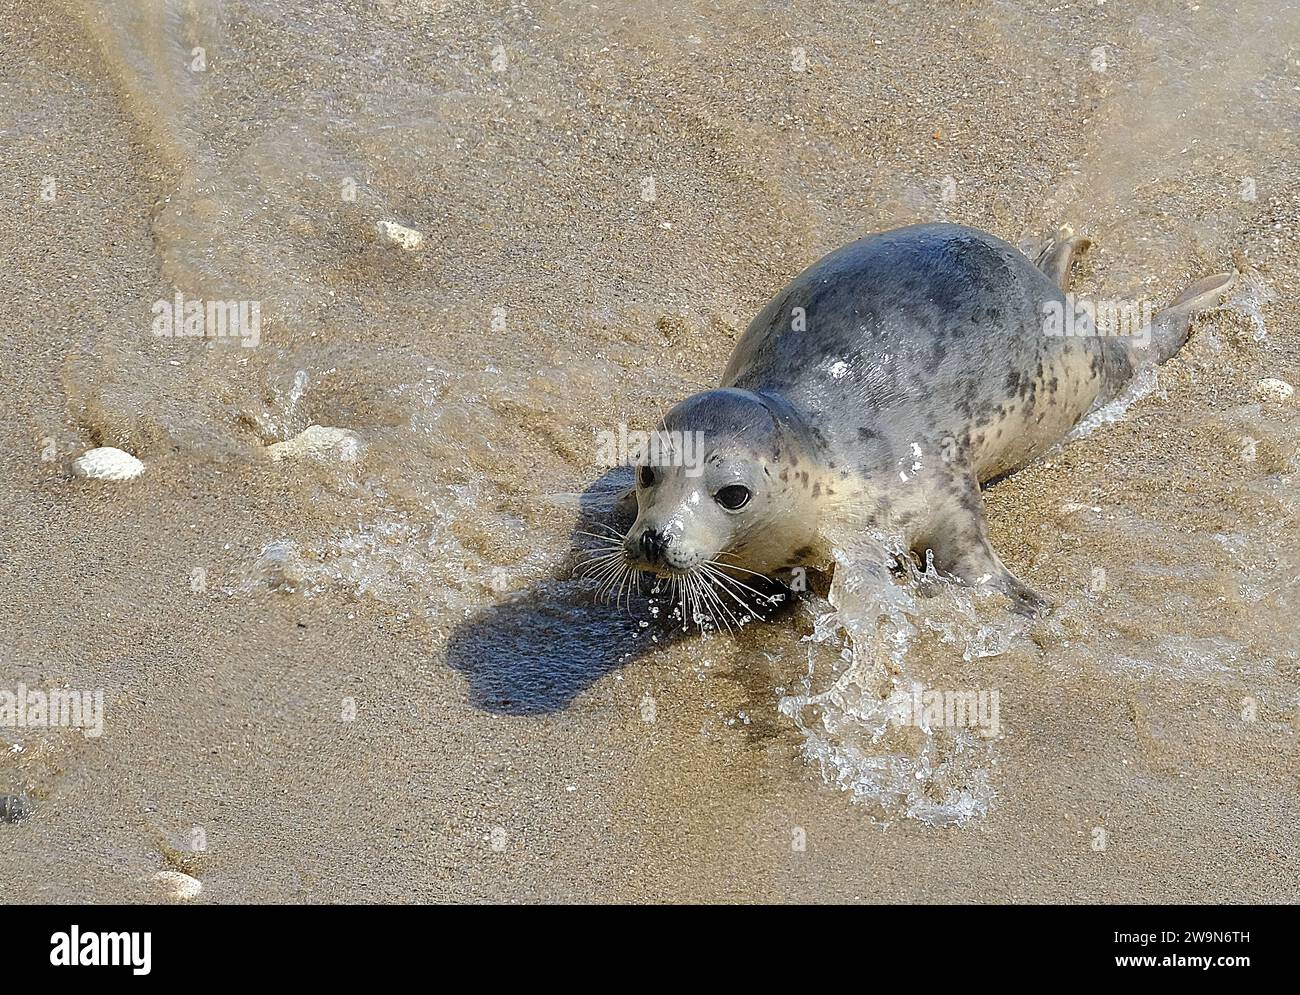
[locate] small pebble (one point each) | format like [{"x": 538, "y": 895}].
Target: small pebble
[
  {"x": 318, "y": 442},
  {"x": 107, "y": 463},
  {"x": 401, "y": 236},
  {"x": 14, "y": 807},
  {"x": 177, "y": 886},
  {"x": 1270, "y": 389}
]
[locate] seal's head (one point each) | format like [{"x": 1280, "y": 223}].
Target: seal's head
[{"x": 729, "y": 483}]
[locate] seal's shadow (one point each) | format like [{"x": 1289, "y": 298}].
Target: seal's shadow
[
  {"x": 538, "y": 650},
  {"x": 535, "y": 652}
]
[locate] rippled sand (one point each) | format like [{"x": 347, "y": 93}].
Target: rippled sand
[{"x": 373, "y": 679}]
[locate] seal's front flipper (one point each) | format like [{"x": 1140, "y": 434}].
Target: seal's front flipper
[
  {"x": 1170, "y": 327},
  {"x": 1057, "y": 258},
  {"x": 960, "y": 546},
  {"x": 971, "y": 559}
]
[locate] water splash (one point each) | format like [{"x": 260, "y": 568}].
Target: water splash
[
  {"x": 1142, "y": 384},
  {"x": 860, "y": 731},
  {"x": 1249, "y": 298}
]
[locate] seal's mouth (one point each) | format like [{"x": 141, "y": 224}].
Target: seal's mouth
[
  {"x": 707, "y": 591},
  {"x": 665, "y": 570}
]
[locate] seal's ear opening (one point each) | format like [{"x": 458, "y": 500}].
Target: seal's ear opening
[
  {"x": 788, "y": 419},
  {"x": 625, "y": 507}
]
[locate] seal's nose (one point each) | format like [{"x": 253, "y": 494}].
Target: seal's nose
[{"x": 653, "y": 545}]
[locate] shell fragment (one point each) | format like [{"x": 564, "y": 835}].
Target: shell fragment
[
  {"x": 107, "y": 463},
  {"x": 1271, "y": 389},
  {"x": 318, "y": 442},
  {"x": 401, "y": 236},
  {"x": 176, "y": 886}
]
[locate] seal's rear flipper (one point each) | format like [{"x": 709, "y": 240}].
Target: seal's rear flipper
[
  {"x": 1170, "y": 327},
  {"x": 1057, "y": 258}
]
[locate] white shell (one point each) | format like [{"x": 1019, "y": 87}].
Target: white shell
[
  {"x": 318, "y": 442},
  {"x": 107, "y": 463},
  {"x": 177, "y": 886},
  {"x": 399, "y": 235},
  {"x": 1270, "y": 389}
]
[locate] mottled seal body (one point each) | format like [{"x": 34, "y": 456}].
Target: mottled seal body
[{"x": 878, "y": 391}]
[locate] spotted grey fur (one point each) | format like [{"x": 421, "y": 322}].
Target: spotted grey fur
[{"x": 879, "y": 391}]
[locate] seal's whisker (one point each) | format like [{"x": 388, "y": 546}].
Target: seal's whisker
[
  {"x": 592, "y": 555},
  {"x": 586, "y": 557},
  {"x": 703, "y": 604},
  {"x": 605, "y": 574},
  {"x": 732, "y": 566},
  {"x": 607, "y": 590},
  {"x": 588, "y": 567},
  {"x": 613, "y": 570},
  {"x": 684, "y": 590},
  {"x": 751, "y": 610},
  {"x": 717, "y": 578},
  {"x": 728, "y": 617},
  {"x": 700, "y": 596},
  {"x": 600, "y": 590},
  {"x": 623, "y": 588},
  {"x": 754, "y": 604},
  {"x": 590, "y": 570},
  {"x": 592, "y": 562},
  {"x": 714, "y": 565},
  {"x": 606, "y": 525},
  {"x": 633, "y": 588},
  {"x": 718, "y": 619},
  {"x": 693, "y": 582},
  {"x": 735, "y": 584},
  {"x": 765, "y": 599},
  {"x": 672, "y": 594},
  {"x": 719, "y": 609},
  {"x": 598, "y": 552},
  {"x": 616, "y": 538}
]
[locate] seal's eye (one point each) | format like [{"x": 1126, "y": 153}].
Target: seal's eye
[
  {"x": 647, "y": 476},
  {"x": 733, "y": 498}
]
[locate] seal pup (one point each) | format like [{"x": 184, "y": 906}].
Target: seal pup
[{"x": 877, "y": 393}]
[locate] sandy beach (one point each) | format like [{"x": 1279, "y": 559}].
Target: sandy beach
[{"x": 369, "y": 675}]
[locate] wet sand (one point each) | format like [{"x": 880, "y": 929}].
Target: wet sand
[{"x": 386, "y": 687}]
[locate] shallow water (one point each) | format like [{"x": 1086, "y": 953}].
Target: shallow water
[{"x": 606, "y": 196}]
